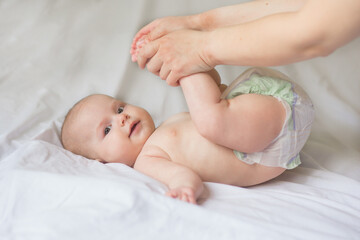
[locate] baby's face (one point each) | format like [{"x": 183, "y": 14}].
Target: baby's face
[{"x": 116, "y": 131}]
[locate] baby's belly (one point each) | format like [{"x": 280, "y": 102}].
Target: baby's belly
[{"x": 212, "y": 162}]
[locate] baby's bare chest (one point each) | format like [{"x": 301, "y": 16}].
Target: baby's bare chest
[{"x": 184, "y": 145}]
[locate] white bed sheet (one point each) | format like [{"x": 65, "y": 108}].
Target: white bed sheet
[{"x": 53, "y": 53}]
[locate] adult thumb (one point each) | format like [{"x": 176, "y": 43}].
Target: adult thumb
[{"x": 156, "y": 33}]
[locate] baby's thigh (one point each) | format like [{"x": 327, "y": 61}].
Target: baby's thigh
[
  {"x": 257, "y": 119},
  {"x": 253, "y": 174},
  {"x": 263, "y": 174}
]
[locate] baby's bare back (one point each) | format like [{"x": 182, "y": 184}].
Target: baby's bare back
[{"x": 183, "y": 144}]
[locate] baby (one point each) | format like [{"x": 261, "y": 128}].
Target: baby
[{"x": 249, "y": 134}]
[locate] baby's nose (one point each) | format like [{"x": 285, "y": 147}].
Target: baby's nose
[{"x": 122, "y": 118}]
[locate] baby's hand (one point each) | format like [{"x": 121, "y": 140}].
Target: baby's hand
[{"x": 183, "y": 193}]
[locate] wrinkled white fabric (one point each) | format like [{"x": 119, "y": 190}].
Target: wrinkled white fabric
[{"x": 53, "y": 53}]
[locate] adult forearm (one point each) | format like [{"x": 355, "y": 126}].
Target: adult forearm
[
  {"x": 268, "y": 41},
  {"x": 316, "y": 30},
  {"x": 245, "y": 12}
]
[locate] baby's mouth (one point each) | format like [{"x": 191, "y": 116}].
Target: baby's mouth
[{"x": 132, "y": 127}]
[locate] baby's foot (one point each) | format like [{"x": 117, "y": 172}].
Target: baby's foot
[{"x": 137, "y": 46}]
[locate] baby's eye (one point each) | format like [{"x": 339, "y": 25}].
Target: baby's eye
[
  {"x": 107, "y": 130},
  {"x": 120, "y": 110}
]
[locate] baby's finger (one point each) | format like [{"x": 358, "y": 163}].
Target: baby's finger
[
  {"x": 171, "y": 194},
  {"x": 190, "y": 197},
  {"x": 184, "y": 197},
  {"x": 192, "y": 200}
]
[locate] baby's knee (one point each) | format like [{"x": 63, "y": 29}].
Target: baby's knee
[{"x": 211, "y": 124}]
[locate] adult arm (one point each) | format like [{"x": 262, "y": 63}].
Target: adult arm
[
  {"x": 218, "y": 17},
  {"x": 316, "y": 29}
]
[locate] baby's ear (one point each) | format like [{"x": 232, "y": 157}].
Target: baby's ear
[{"x": 102, "y": 161}]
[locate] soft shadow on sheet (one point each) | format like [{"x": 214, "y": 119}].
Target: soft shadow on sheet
[{"x": 53, "y": 53}]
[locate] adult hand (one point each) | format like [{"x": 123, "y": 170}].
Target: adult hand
[
  {"x": 175, "y": 55},
  {"x": 163, "y": 26}
]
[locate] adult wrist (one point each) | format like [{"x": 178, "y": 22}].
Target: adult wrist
[
  {"x": 195, "y": 22},
  {"x": 206, "y": 21},
  {"x": 209, "y": 49}
]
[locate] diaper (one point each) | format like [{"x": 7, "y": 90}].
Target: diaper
[{"x": 284, "y": 150}]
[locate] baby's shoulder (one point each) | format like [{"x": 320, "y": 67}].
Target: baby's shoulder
[
  {"x": 170, "y": 132},
  {"x": 176, "y": 118}
]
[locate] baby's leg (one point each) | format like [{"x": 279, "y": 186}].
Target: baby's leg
[
  {"x": 216, "y": 77},
  {"x": 250, "y": 175},
  {"x": 247, "y": 123},
  {"x": 137, "y": 46}
]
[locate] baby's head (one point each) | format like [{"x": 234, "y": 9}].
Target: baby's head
[{"x": 105, "y": 129}]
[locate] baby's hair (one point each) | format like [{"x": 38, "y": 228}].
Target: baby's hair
[{"x": 67, "y": 136}]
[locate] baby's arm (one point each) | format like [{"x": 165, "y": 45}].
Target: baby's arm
[
  {"x": 247, "y": 123},
  {"x": 183, "y": 183}
]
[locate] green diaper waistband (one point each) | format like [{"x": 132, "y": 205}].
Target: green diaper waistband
[{"x": 266, "y": 86}]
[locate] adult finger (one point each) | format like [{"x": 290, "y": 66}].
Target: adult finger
[
  {"x": 147, "y": 52},
  {"x": 172, "y": 79},
  {"x": 156, "y": 33},
  {"x": 143, "y": 31},
  {"x": 154, "y": 65},
  {"x": 164, "y": 72}
]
